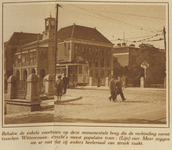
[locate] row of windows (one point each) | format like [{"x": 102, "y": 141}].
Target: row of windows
[
  {"x": 26, "y": 57},
  {"x": 99, "y": 62},
  {"x": 91, "y": 50}
]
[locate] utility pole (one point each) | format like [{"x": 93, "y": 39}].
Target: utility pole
[
  {"x": 55, "y": 41},
  {"x": 164, "y": 32}
]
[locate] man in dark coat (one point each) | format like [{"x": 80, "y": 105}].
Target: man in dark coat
[
  {"x": 66, "y": 82},
  {"x": 59, "y": 85},
  {"x": 112, "y": 88},
  {"x": 119, "y": 85}
]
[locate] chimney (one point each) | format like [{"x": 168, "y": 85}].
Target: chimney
[
  {"x": 119, "y": 44},
  {"x": 123, "y": 44},
  {"x": 132, "y": 45}
]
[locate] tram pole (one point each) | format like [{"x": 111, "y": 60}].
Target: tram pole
[
  {"x": 56, "y": 48},
  {"x": 164, "y": 32}
]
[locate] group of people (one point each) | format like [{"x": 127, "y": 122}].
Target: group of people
[
  {"x": 116, "y": 87},
  {"x": 61, "y": 86}
]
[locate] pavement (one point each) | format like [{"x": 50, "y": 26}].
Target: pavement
[
  {"x": 90, "y": 104},
  {"x": 49, "y": 103}
]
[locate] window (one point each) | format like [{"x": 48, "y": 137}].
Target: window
[
  {"x": 16, "y": 59},
  {"x": 108, "y": 51},
  {"x": 96, "y": 74},
  {"x": 102, "y": 52},
  {"x": 96, "y": 51},
  {"x": 108, "y": 63},
  {"x": 19, "y": 58},
  {"x": 80, "y": 69},
  {"x": 86, "y": 69},
  {"x": 96, "y": 62},
  {"x": 70, "y": 70},
  {"x": 102, "y": 63},
  {"x": 75, "y": 70},
  {"x": 90, "y": 50},
  {"x": 23, "y": 58},
  {"x": 31, "y": 56},
  {"x": 76, "y": 49},
  {"x": 67, "y": 49},
  {"x": 91, "y": 73},
  {"x": 90, "y": 62},
  {"x": 83, "y": 50},
  {"x": 34, "y": 56},
  {"x": 102, "y": 73}
]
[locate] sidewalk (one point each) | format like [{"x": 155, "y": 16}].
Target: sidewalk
[
  {"x": 49, "y": 103},
  {"x": 107, "y": 88}
]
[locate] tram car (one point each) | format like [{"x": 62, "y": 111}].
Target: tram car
[{"x": 78, "y": 74}]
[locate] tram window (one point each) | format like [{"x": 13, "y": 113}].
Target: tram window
[
  {"x": 86, "y": 69},
  {"x": 70, "y": 70},
  {"x": 80, "y": 69},
  {"x": 74, "y": 70}
]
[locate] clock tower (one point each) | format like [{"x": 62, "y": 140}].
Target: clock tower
[{"x": 49, "y": 28}]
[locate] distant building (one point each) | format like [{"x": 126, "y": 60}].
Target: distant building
[{"x": 127, "y": 57}]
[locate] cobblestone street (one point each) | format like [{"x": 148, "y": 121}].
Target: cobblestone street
[{"x": 143, "y": 106}]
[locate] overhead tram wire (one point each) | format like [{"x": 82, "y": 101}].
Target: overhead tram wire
[
  {"x": 86, "y": 21},
  {"x": 152, "y": 36},
  {"x": 149, "y": 36},
  {"x": 142, "y": 28},
  {"x": 131, "y": 14}
]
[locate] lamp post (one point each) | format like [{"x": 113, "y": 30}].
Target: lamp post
[{"x": 144, "y": 65}]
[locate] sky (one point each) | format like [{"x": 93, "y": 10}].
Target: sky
[{"x": 132, "y": 23}]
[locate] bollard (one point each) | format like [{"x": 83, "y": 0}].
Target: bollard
[
  {"x": 49, "y": 85},
  {"x": 142, "y": 82},
  {"x": 90, "y": 81},
  {"x": 12, "y": 87},
  {"x": 32, "y": 88}
]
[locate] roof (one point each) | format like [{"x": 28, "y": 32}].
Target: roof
[
  {"x": 81, "y": 32},
  {"x": 25, "y": 37}
]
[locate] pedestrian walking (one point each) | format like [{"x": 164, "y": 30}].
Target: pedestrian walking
[
  {"x": 66, "y": 82},
  {"x": 59, "y": 85},
  {"x": 112, "y": 88},
  {"x": 119, "y": 86}
]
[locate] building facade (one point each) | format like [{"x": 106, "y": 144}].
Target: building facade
[{"x": 13, "y": 45}]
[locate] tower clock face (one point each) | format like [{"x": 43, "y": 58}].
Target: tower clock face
[{"x": 52, "y": 23}]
